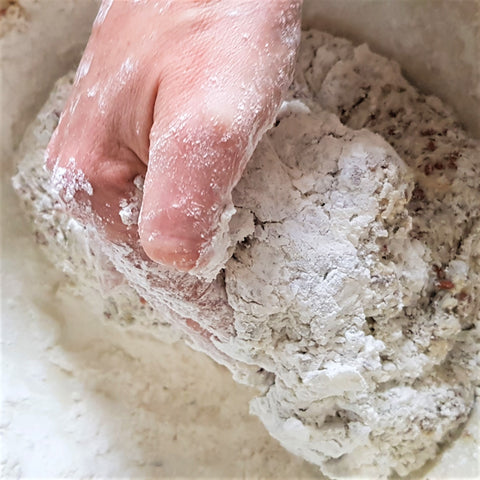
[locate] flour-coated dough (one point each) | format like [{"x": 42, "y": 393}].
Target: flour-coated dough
[{"x": 351, "y": 296}]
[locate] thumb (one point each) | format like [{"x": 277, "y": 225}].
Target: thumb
[{"x": 194, "y": 163}]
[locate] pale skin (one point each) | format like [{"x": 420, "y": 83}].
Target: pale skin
[{"x": 178, "y": 92}]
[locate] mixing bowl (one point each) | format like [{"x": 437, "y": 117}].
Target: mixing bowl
[{"x": 83, "y": 398}]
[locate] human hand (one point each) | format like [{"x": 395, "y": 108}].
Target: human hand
[{"x": 179, "y": 93}]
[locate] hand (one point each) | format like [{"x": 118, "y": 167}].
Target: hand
[{"x": 178, "y": 92}]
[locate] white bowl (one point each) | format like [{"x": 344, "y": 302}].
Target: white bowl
[{"x": 81, "y": 398}]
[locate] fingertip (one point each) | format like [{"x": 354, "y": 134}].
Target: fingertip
[{"x": 169, "y": 241}]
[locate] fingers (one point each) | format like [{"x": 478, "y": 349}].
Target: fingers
[{"x": 193, "y": 167}]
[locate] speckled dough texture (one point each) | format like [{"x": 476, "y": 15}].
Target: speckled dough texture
[{"x": 351, "y": 294}]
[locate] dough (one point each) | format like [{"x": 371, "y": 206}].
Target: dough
[{"x": 351, "y": 293}]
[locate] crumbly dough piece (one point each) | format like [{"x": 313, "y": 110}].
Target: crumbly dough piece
[{"x": 351, "y": 298}]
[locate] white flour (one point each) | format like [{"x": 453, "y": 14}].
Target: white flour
[{"x": 368, "y": 354}]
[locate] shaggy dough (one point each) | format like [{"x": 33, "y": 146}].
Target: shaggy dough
[{"x": 351, "y": 294}]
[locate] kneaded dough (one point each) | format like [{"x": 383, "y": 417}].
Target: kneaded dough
[{"x": 351, "y": 294}]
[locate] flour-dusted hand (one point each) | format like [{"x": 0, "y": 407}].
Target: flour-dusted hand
[{"x": 178, "y": 93}]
